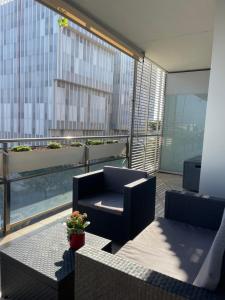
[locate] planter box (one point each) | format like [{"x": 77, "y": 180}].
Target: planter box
[
  {"x": 41, "y": 159},
  {"x": 106, "y": 150}
]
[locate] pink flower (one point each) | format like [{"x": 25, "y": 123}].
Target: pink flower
[{"x": 76, "y": 213}]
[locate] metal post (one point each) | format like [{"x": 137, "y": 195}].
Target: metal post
[
  {"x": 127, "y": 152},
  {"x": 86, "y": 157},
  {"x": 6, "y": 199},
  {"x": 133, "y": 113}
]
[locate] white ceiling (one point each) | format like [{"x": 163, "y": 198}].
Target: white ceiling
[{"x": 176, "y": 34}]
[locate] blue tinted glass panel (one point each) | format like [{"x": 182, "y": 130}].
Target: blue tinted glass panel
[{"x": 38, "y": 194}]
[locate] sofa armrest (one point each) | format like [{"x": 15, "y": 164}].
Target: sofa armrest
[
  {"x": 194, "y": 209},
  {"x": 87, "y": 184},
  {"x": 101, "y": 275},
  {"x": 139, "y": 204}
]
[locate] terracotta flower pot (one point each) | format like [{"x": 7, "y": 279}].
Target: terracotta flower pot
[{"x": 77, "y": 241}]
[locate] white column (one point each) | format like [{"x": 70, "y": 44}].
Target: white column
[{"x": 212, "y": 180}]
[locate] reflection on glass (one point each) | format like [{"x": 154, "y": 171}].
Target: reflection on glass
[
  {"x": 183, "y": 130},
  {"x": 38, "y": 194},
  {"x": 115, "y": 163}
]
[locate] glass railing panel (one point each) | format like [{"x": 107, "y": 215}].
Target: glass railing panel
[
  {"x": 42, "y": 193},
  {"x": 115, "y": 163},
  {"x": 43, "y": 185}
]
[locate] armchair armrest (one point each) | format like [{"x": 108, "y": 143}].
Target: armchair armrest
[
  {"x": 139, "y": 204},
  {"x": 194, "y": 209},
  {"x": 87, "y": 184},
  {"x": 101, "y": 275}
]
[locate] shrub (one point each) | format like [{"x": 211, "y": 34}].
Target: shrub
[
  {"x": 21, "y": 148},
  {"x": 112, "y": 142},
  {"x": 54, "y": 145},
  {"x": 94, "y": 142},
  {"x": 76, "y": 144}
]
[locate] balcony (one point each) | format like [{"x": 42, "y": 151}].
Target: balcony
[
  {"x": 36, "y": 186},
  {"x": 146, "y": 95},
  {"x": 36, "y": 216}
]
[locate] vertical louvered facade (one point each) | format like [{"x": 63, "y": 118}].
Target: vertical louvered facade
[{"x": 147, "y": 116}]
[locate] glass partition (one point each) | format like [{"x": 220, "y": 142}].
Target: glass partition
[
  {"x": 183, "y": 130},
  {"x": 115, "y": 163},
  {"x": 39, "y": 194},
  {"x": 31, "y": 196},
  {"x": 49, "y": 189}
]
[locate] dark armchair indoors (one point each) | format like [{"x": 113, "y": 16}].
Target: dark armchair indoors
[{"x": 119, "y": 202}]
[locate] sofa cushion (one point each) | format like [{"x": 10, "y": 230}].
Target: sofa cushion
[
  {"x": 106, "y": 201},
  {"x": 172, "y": 248},
  {"x": 115, "y": 178},
  {"x": 209, "y": 274}
]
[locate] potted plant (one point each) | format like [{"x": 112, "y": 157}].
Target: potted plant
[{"x": 76, "y": 225}]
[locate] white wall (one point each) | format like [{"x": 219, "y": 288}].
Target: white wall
[
  {"x": 187, "y": 83},
  {"x": 212, "y": 179}
]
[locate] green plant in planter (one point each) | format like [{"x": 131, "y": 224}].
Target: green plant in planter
[
  {"x": 54, "y": 145},
  {"x": 112, "y": 142},
  {"x": 94, "y": 142},
  {"x": 76, "y": 144},
  {"x": 21, "y": 148}
]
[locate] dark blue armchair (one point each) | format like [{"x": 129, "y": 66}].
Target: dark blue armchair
[{"x": 119, "y": 202}]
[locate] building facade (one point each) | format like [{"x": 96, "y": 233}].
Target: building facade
[{"x": 58, "y": 81}]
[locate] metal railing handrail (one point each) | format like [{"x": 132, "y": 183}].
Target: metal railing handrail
[
  {"x": 82, "y": 137},
  {"x": 18, "y": 140}
]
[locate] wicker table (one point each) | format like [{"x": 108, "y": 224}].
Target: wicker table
[{"x": 41, "y": 266}]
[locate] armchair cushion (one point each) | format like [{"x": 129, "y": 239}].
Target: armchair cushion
[
  {"x": 106, "y": 201},
  {"x": 116, "y": 178},
  {"x": 210, "y": 272},
  {"x": 171, "y": 248}
]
